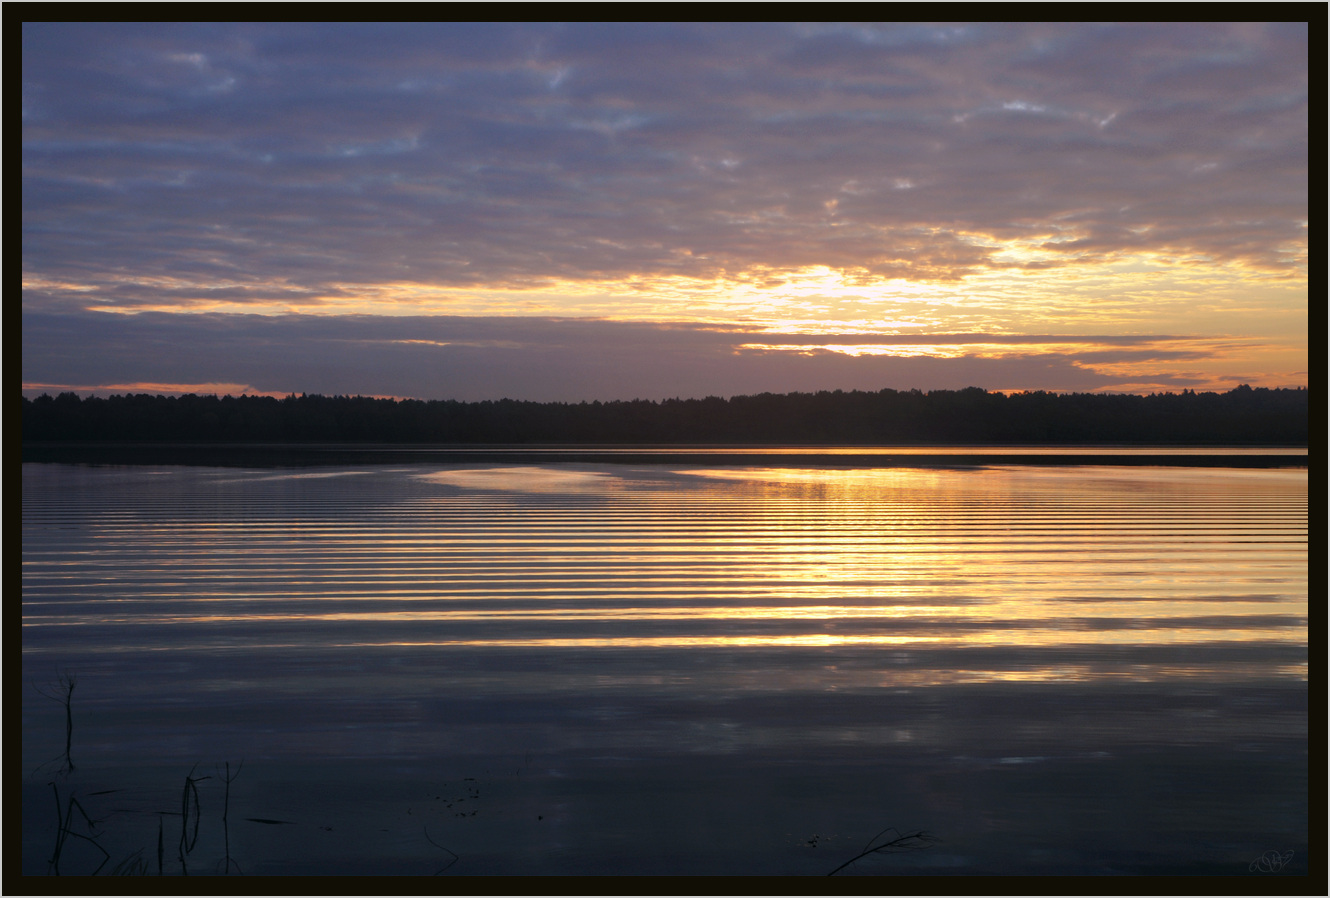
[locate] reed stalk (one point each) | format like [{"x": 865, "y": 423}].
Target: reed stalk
[{"x": 908, "y": 842}]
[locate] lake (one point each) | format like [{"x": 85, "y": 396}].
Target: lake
[{"x": 715, "y": 665}]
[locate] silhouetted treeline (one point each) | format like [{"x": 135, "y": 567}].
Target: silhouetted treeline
[{"x": 1240, "y": 416}]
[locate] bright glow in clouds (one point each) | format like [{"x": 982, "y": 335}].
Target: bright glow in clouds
[{"x": 640, "y": 210}]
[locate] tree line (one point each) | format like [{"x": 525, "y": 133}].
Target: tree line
[{"x": 1241, "y": 416}]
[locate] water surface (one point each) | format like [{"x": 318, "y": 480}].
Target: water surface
[{"x": 691, "y": 668}]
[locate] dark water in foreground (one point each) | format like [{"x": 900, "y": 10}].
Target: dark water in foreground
[{"x": 600, "y": 668}]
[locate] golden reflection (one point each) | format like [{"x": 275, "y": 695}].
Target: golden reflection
[
  {"x": 1018, "y": 638},
  {"x": 702, "y": 557},
  {"x": 1028, "y": 638}
]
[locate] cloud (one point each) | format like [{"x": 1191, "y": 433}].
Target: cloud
[
  {"x": 1031, "y": 175},
  {"x": 474, "y": 155},
  {"x": 563, "y": 360}
]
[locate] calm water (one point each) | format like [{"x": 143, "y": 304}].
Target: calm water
[{"x": 560, "y": 668}]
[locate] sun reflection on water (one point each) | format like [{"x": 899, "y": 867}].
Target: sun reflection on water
[{"x": 589, "y": 557}]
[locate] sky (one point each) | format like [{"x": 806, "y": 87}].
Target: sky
[{"x": 596, "y": 211}]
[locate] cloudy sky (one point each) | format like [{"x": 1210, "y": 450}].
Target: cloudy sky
[{"x": 566, "y": 212}]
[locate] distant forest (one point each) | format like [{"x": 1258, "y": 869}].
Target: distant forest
[{"x": 888, "y": 417}]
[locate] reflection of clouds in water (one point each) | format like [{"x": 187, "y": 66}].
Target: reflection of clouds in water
[
  {"x": 988, "y": 662},
  {"x": 527, "y": 479},
  {"x": 311, "y": 475},
  {"x": 865, "y": 482},
  {"x": 988, "y": 476}
]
